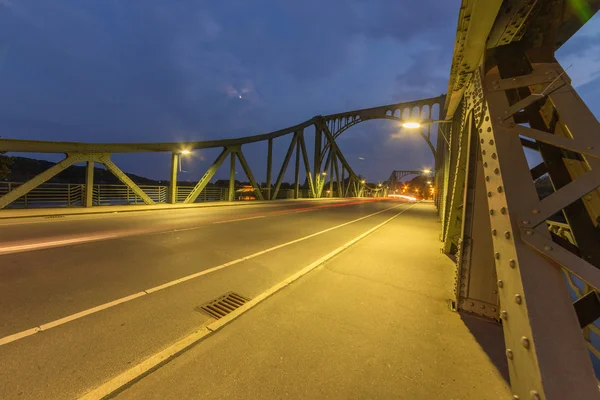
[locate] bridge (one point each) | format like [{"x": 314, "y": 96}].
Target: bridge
[{"x": 487, "y": 291}]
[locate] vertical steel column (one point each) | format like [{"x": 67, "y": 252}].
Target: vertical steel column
[
  {"x": 269, "y": 167},
  {"x": 333, "y": 161},
  {"x": 547, "y": 357},
  {"x": 231, "y": 194},
  {"x": 297, "y": 171},
  {"x": 89, "y": 183},
  {"x": 173, "y": 182},
  {"x": 318, "y": 145}
]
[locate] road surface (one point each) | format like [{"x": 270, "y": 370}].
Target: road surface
[{"x": 84, "y": 298}]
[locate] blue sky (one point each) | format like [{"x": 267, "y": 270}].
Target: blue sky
[{"x": 149, "y": 70}]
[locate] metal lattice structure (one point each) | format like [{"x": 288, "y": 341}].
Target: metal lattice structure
[
  {"x": 327, "y": 158},
  {"x": 512, "y": 247}
]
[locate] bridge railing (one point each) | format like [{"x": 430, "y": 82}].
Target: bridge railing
[
  {"x": 73, "y": 194},
  {"x": 46, "y": 195}
]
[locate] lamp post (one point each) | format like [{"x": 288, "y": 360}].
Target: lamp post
[{"x": 175, "y": 166}]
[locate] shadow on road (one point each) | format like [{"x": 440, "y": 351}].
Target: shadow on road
[{"x": 490, "y": 337}]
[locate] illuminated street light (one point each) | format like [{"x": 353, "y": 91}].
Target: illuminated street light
[
  {"x": 426, "y": 171},
  {"x": 411, "y": 125},
  {"x": 185, "y": 152},
  {"x": 429, "y": 182},
  {"x": 323, "y": 173},
  {"x": 363, "y": 181}
]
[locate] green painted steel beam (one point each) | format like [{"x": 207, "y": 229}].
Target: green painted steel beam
[
  {"x": 116, "y": 171},
  {"x": 286, "y": 161},
  {"x": 39, "y": 179},
  {"x": 208, "y": 175},
  {"x": 249, "y": 174}
]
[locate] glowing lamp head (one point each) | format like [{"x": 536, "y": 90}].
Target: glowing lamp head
[
  {"x": 185, "y": 152},
  {"x": 426, "y": 171},
  {"x": 411, "y": 125}
]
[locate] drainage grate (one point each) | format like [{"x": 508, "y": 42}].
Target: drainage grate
[{"x": 223, "y": 305}]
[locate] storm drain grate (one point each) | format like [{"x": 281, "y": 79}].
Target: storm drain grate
[{"x": 223, "y": 305}]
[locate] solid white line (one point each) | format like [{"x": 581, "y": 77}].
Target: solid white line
[
  {"x": 56, "y": 243},
  {"x": 239, "y": 219},
  {"x": 61, "y": 321},
  {"x": 179, "y": 347}
]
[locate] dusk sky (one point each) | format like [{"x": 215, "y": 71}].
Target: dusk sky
[{"x": 139, "y": 71}]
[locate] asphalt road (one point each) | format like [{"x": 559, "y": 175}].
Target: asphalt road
[{"x": 108, "y": 291}]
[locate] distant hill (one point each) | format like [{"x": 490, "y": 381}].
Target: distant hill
[{"x": 23, "y": 169}]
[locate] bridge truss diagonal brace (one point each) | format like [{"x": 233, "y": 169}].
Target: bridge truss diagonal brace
[
  {"x": 284, "y": 166},
  {"x": 208, "y": 175},
  {"x": 309, "y": 177},
  {"x": 536, "y": 306},
  {"x": 116, "y": 171},
  {"x": 248, "y": 172},
  {"x": 336, "y": 150},
  {"x": 36, "y": 181}
]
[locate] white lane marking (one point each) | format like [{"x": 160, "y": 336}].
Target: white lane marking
[
  {"x": 55, "y": 243},
  {"x": 239, "y": 219},
  {"x": 182, "y": 345},
  {"x": 52, "y": 324}
]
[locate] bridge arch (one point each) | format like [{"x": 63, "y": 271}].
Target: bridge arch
[{"x": 400, "y": 112}]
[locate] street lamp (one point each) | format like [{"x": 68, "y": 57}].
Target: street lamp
[
  {"x": 416, "y": 125},
  {"x": 184, "y": 152},
  {"x": 426, "y": 171}
]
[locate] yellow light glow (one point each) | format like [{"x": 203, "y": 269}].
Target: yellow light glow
[
  {"x": 411, "y": 125},
  {"x": 426, "y": 171},
  {"x": 363, "y": 181},
  {"x": 185, "y": 152}
]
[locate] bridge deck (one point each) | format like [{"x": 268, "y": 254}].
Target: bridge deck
[{"x": 372, "y": 323}]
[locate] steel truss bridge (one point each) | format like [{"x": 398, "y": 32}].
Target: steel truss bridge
[{"x": 514, "y": 251}]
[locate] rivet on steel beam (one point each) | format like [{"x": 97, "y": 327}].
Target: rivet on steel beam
[
  {"x": 481, "y": 139},
  {"x": 503, "y": 210},
  {"x": 489, "y": 129},
  {"x": 515, "y": 397},
  {"x": 494, "y": 232},
  {"x": 499, "y": 188},
  {"x": 489, "y": 194},
  {"x": 509, "y": 354},
  {"x": 512, "y": 263},
  {"x": 485, "y": 164},
  {"x": 507, "y": 234},
  {"x": 494, "y": 156},
  {"x": 547, "y": 247},
  {"x": 483, "y": 152},
  {"x": 491, "y": 212},
  {"x": 525, "y": 342},
  {"x": 482, "y": 306},
  {"x": 590, "y": 147},
  {"x": 491, "y": 141},
  {"x": 493, "y": 309},
  {"x": 496, "y": 171},
  {"x": 487, "y": 178},
  {"x": 500, "y": 283},
  {"x": 494, "y": 291},
  {"x": 518, "y": 299},
  {"x": 525, "y": 222},
  {"x": 529, "y": 232},
  {"x": 503, "y": 314},
  {"x": 534, "y": 395},
  {"x": 472, "y": 304},
  {"x": 497, "y": 255},
  {"x": 480, "y": 130},
  {"x": 535, "y": 211}
]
